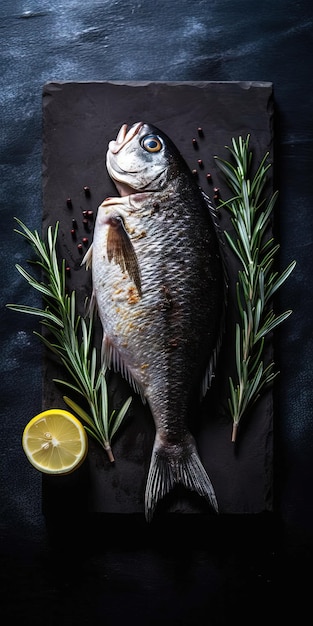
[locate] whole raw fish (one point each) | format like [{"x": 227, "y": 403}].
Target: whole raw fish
[{"x": 158, "y": 282}]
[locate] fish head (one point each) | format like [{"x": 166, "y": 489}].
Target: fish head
[{"x": 142, "y": 158}]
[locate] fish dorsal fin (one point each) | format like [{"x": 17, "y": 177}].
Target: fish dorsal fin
[
  {"x": 211, "y": 367},
  {"x": 121, "y": 250},
  {"x": 210, "y": 370},
  {"x": 213, "y": 210},
  {"x": 112, "y": 359}
]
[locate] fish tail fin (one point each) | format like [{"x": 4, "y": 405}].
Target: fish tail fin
[{"x": 175, "y": 465}]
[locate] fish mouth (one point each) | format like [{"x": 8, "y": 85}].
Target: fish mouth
[
  {"x": 117, "y": 173},
  {"x": 124, "y": 136}
]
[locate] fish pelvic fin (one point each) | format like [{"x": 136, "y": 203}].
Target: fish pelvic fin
[
  {"x": 90, "y": 305},
  {"x": 111, "y": 359},
  {"x": 173, "y": 465},
  {"x": 87, "y": 260}
]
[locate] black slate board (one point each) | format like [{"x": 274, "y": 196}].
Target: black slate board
[{"x": 79, "y": 119}]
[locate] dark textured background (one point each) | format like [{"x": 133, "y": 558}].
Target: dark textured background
[{"x": 71, "y": 572}]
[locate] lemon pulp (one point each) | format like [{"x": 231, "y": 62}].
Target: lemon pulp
[{"x": 55, "y": 442}]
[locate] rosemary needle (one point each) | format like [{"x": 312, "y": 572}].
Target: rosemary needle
[
  {"x": 257, "y": 279},
  {"x": 70, "y": 339}
]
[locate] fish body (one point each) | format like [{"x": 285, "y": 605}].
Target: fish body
[{"x": 158, "y": 282}]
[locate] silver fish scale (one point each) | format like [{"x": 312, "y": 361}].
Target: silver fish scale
[{"x": 163, "y": 340}]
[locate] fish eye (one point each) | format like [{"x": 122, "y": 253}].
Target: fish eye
[{"x": 152, "y": 143}]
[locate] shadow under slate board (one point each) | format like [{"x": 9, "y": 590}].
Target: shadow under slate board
[{"x": 79, "y": 119}]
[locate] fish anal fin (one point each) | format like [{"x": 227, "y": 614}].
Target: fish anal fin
[{"x": 121, "y": 250}]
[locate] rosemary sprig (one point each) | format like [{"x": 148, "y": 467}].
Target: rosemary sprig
[
  {"x": 257, "y": 280},
  {"x": 71, "y": 339}
]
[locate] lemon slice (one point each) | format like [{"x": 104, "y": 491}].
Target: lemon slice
[{"x": 55, "y": 442}]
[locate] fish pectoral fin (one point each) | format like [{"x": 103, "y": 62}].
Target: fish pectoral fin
[
  {"x": 87, "y": 260},
  {"x": 173, "y": 465},
  {"x": 121, "y": 250}
]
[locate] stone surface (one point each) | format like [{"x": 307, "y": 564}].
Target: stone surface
[{"x": 79, "y": 119}]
